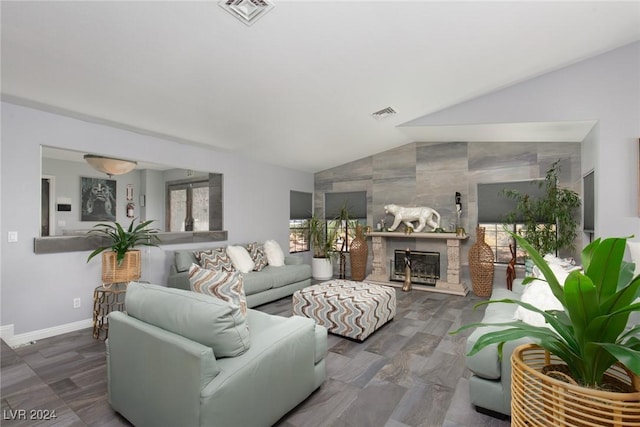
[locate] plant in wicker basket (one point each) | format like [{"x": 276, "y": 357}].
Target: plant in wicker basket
[
  {"x": 592, "y": 333},
  {"x": 122, "y": 264}
]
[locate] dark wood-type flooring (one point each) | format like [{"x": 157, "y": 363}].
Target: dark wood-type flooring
[{"x": 408, "y": 373}]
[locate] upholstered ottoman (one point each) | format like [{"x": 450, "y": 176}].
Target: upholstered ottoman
[{"x": 351, "y": 309}]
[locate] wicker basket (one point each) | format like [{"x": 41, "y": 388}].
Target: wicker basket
[
  {"x": 129, "y": 269},
  {"x": 539, "y": 400},
  {"x": 481, "y": 265}
]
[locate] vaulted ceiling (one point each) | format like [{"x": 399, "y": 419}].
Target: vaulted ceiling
[{"x": 298, "y": 87}]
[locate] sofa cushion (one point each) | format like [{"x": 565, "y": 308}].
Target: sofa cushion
[
  {"x": 257, "y": 281},
  {"x": 183, "y": 260},
  {"x": 282, "y": 276},
  {"x": 275, "y": 256},
  {"x": 226, "y": 285},
  {"x": 214, "y": 259},
  {"x": 256, "y": 251},
  {"x": 240, "y": 258},
  {"x": 201, "y": 318}
]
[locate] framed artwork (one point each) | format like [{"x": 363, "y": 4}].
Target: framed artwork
[{"x": 98, "y": 196}]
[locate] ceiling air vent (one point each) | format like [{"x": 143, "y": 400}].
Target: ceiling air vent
[
  {"x": 386, "y": 112},
  {"x": 247, "y": 11}
]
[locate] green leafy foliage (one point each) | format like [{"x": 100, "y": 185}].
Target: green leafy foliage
[
  {"x": 124, "y": 239},
  {"x": 592, "y": 332},
  {"x": 550, "y": 223}
]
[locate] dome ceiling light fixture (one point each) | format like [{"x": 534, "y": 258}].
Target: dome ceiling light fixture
[
  {"x": 109, "y": 165},
  {"x": 247, "y": 11}
]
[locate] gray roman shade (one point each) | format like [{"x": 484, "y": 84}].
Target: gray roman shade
[
  {"x": 588, "y": 202},
  {"x": 493, "y": 206},
  {"x": 355, "y": 202},
  {"x": 300, "y": 205}
]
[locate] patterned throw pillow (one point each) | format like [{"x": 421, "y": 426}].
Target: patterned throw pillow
[
  {"x": 225, "y": 285},
  {"x": 214, "y": 259},
  {"x": 256, "y": 251}
]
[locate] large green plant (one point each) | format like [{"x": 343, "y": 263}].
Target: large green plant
[
  {"x": 591, "y": 334},
  {"x": 322, "y": 240},
  {"x": 121, "y": 239},
  {"x": 550, "y": 222}
]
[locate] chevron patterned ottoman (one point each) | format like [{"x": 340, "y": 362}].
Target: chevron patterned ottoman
[{"x": 350, "y": 309}]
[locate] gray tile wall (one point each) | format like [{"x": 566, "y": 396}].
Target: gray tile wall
[{"x": 429, "y": 174}]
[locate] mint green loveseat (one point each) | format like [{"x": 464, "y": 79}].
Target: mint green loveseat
[
  {"x": 269, "y": 284},
  {"x": 178, "y": 358}
]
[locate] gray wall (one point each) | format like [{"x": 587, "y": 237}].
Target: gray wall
[
  {"x": 429, "y": 174},
  {"x": 37, "y": 290},
  {"x": 604, "y": 88}
]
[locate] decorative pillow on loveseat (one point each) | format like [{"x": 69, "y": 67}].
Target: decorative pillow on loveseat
[
  {"x": 274, "y": 253},
  {"x": 240, "y": 258},
  {"x": 201, "y": 318},
  {"x": 225, "y": 285},
  {"x": 256, "y": 251},
  {"x": 214, "y": 259}
]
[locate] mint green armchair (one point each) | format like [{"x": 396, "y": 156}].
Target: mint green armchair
[{"x": 179, "y": 358}]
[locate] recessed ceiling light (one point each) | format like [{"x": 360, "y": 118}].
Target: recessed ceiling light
[
  {"x": 247, "y": 11},
  {"x": 385, "y": 112}
]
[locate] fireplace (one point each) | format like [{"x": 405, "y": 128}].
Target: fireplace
[{"x": 425, "y": 267}]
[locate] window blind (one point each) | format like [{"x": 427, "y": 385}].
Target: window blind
[
  {"x": 354, "y": 201},
  {"x": 588, "y": 202},
  {"x": 493, "y": 206},
  {"x": 300, "y": 205}
]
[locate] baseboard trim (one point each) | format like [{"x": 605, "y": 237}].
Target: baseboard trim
[{"x": 7, "y": 332}]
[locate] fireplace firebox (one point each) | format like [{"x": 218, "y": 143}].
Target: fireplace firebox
[{"x": 425, "y": 267}]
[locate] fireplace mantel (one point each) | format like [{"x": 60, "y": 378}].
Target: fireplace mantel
[{"x": 451, "y": 285}]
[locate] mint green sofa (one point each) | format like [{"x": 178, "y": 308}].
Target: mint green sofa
[
  {"x": 260, "y": 287},
  {"x": 490, "y": 380},
  {"x": 179, "y": 358}
]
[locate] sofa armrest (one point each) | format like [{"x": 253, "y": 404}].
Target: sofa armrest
[
  {"x": 155, "y": 377},
  {"x": 293, "y": 260}
]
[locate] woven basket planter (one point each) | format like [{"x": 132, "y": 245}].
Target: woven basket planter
[
  {"x": 129, "y": 269},
  {"x": 538, "y": 399},
  {"x": 481, "y": 265}
]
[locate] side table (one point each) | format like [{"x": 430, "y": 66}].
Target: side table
[{"x": 106, "y": 300}]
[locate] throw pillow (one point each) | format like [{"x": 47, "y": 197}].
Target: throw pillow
[
  {"x": 634, "y": 251},
  {"x": 225, "y": 285},
  {"x": 256, "y": 251},
  {"x": 538, "y": 294},
  {"x": 214, "y": 259},
  {"x": 274, "y": 253},
  {"x": 240, "y": 258}
]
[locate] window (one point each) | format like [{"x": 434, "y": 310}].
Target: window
[
  {"x": 299, "y": 215},
  {"x": 188, "y": 205},
  {"x": 496, "y": 236},
  {"x": 492, "y": 209},
  {"x": 355, "y": 203}
]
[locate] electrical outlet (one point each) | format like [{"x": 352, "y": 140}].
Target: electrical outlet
[
  {"x": 76, "y": 303},
  {"x": 12, "y": 236}
]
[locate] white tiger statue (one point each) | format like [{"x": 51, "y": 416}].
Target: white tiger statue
[{"x": 424, "y": 215}]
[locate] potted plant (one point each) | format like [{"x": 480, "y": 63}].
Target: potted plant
[
  {"x": 550, "y": 222},
  {"x": 590, "y": 338},
  {"x": 322, "y": 242},
  {"x": 120, "y": 263}
]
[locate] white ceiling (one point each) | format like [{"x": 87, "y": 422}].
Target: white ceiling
[{"x": 298, "y": 87}]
